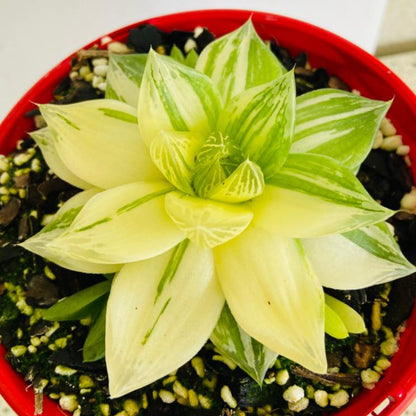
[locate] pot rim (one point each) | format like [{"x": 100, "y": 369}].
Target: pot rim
[{"x": 391, "y": 395}]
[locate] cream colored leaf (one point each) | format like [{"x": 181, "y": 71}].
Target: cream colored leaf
[
  {"x": 46, "y": 142},
  {"x": 172, "y": 302},
  {"x": 120, "y": 225},
  {"x": 357, "y": 259},
  {"x": 40, "y": 242},
  {"x": 274, "y": 295},
  {"x": 99, "y": 141},
  {"x": 175, "y": 97},
  {"x": 207, "y": 223}
]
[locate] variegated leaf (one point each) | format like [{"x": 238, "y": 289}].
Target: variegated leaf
[
  {"x": 46, "y": 142},
  {"x": 313, "y": 196},
  {"x": 99, "y": 141},
  {"x": 120, "y": 225},
  {"x": 357, "y": 259},
  {"x": 218, "y": 158},
  {"x": 245, "y": 183},
  {"x": 239, "y": 61},
  {"x": 207, "y": 223},
  {"x": 251, "y": 356},
  {"x": 124, "y": 76},
  {"x": 261, "y": 121},
  {"x": 338, "y": 124},
  {"x": 353, "y": 321},
  {"x": 175, "y": 97},
  {"x": 165, "y": 299},
  {"x": 274, "y": 295},
  {"x": 174, "y": 153},
  {"x": 40, "y": 243}
]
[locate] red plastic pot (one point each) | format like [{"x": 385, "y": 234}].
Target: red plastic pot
[{"x": 359, "y": 69}]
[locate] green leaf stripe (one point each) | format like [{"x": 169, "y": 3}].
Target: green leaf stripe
[
  {"x": 119, "y": 115},
  {"x": 172, "y": 267},
  {"x": 338, "y": 124},
  {"x": 378, "y": 241},
  {"x": 134, "y": 204},
  {"x": 323, "y": 177},
  {"x": 249, "y": 354}
]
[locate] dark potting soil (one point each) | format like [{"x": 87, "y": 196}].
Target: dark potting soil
[{"x": 48, "y": 354}]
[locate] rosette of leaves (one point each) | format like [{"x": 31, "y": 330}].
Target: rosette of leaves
[{"x": 216, "y": 184}]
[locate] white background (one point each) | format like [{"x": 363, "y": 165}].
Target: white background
[{"x": 37, "y": 34}]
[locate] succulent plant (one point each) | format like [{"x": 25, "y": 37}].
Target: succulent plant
[{"x": 222, "y": 203}]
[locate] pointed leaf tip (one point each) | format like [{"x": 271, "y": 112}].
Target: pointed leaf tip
[{"x": 236, "y": 69}]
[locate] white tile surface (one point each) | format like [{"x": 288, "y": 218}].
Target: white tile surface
[{"x": 398, "y": 32}]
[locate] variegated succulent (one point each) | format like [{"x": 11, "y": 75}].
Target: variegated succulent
[{"x": 209, "y": 185}]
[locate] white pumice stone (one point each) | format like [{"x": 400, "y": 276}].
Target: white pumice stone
[
  {"x": 321, "y": 398},
  {"x": 198, "y": 31},
  {"x": 282, "y": 377},
  {"x": 227, "y": 396},
  {"x": 369, "y": 376},
  {"x": 293, "y": 393},
  {"x": 391, "y": 143},
  {"x": 96, "y": 80},
  {"x": 389, "y": 347},
  {"x": 118, "y": 47},
  {"x": 99, "y": 61},
  {"x": 403, "y": 150},
  {"x": 68, "y": 402},
  {"x": 189, "y": 45},
  {"x": 387, "y": 127},
  {"x": 408, "y": 201},
  {"x": 300, "y": 405},
  {"x": 383, "y": 363},
  {"x": 339, "y": 399},
  {"x": 166, "y": 396},
  {"x": 105, "y": 39},
  {"x": 102, "y": 86},
  {"x": 101, "y": 70}
]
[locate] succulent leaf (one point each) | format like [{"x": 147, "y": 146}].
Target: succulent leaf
[
  {"x": 207, "y": 223},
  {"x": 175, "y": 97},
  {"x": 232, "y": 342},
  {"x": 174, "y": 153},
  {"x": 261, "y": 120},
  {"x": 353, "y": 321},
  {"x": 124, "y": 76},
  {"x": 238, "y": 61},
  {"x": 40, "y": 243},
  {"x": 99, "y": 142},
  {"x": 313, "y": 196},
  {"x": 245, "y": 183},
  {"x": 77, "y": 306},
  {"x": 43, "y": 138},
  {"x": 357, "y": 259},
  {"x": 338, "y": 124},
  {"x": 334, "y": 326},
  {"x": 160, "y": 334},
  {"x": 120, "y": 225},
  {"x": 271, "y": 290}
]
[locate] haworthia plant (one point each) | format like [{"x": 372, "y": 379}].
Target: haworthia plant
[{"x": 214, "y": 183}]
